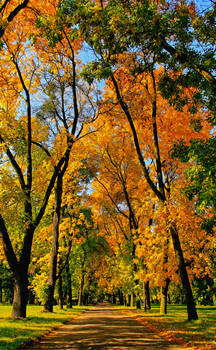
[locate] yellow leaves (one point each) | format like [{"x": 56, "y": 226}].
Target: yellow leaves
[{"x": 45, "y": 234}]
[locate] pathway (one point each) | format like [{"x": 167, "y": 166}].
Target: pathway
[{"x": 103, "y": 327}]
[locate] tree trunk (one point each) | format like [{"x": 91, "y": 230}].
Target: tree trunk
[
  {"x": 165, "y": 280},
  {"x": 128, "y": 299},
  {"x": 48, "y": 306},
  {"x": 113, "y": 299},
  {"x": 0, "y": 291},
  {"x": 191, "y": 307},
  {"x": 132, "y": 300},
  {"x": 146, "y": 293},
  {"x": 20, "y": 297},
  {"x": 164, "y": 295},
  {"x": 138, "y": 302},
  {"x": 80, "y": 300},
  {"x": 60, "y": 293},
  {"x": 85, "y": 298},
  {"x": 69, "y": 289},
  {"x": 121, "y": 297}
]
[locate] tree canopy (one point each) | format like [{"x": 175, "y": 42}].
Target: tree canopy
[{"x": 107, "y": 151}]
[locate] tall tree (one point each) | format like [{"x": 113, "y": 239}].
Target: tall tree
[{"x": 20, "y": 74}]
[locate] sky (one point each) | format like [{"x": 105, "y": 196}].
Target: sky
[{"x": 203, "y": 5}]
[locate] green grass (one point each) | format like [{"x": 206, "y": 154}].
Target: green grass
[
  {"x": 200, "y": 333},
  {"x": 14, "y": 333}
]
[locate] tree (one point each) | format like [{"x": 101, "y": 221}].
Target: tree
[
  {"x": 105, "y": 29},
  {"x": 104, "y": 67},
  {"x": 20, "y": 74},
  {"x": 116, "y": 196}
]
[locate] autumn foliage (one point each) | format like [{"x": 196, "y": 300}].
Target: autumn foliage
[{"x": 106, "y": 179}]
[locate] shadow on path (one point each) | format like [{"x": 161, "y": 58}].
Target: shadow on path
[{"x": 103, "y": 327}]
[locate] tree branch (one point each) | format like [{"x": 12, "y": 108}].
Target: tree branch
[
  {"x": 7, "y": 246},
  {"x": 13, "y": 14},
  {"x": 15, "y": 166},
  {"x": 116, "y": 206},
  {"x": 136, "y": 141}
]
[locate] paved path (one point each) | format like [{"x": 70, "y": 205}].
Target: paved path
[{"x": 103, "y": 327}]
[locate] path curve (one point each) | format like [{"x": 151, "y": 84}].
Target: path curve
[{"x": 103, "y": 327}]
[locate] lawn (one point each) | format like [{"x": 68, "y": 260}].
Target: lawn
[
  {"x": 14, "y": 333},
  {"x": 200, "y": 334}
]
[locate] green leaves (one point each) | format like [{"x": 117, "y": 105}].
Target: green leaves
[
  {"x": 52, "y": 31},
  {"x": 96, "y": 70},
  {"x": 202, "y": 172}
]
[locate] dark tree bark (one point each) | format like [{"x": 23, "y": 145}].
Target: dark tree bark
[
  {"x": 146, "y": 292},
  {"x": 85, "y": 298},
  {"x": 132, "y": 300},
  {"x": 191, "y": 306},
  {"x": 69, "y": 288},
  {"x": 20, "y": 297},
  {"x": 164, "y": 296},
  {"x": 165, "y": 280},
  {"x": 128, "y": 300},
  {"x": 80, "y": 299},
  {"x": 54, "y": 249},
  {"x": 138, "y": 302},
  {"x": 60, "y": 293},
  {"x": 121, "y": 297},
  {"x": 0, "y": 290}
]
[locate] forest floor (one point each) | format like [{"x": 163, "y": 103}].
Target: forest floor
[{"x": 104, "y": 327}]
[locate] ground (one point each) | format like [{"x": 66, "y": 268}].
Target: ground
[{"x": 103, "y": 327}]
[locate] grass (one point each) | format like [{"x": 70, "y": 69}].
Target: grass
[
  {"x": 199, "y": 334},
  {"x": 14, "y": 333}
]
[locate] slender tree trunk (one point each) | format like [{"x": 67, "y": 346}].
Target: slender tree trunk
[
  {"x": 121, "y": 297},
  {"x": 80, "y": 300},
  {"x": 60, "y": 293},
  {"x": 54, "y": 249},
  {"x": 132, "y": 300},
  {"x": 146, "y": 293},
  {"x": 113, "y": 299},
  {"x": 0, "y": 290},
  {"x": 138, "y": 302},
  {"x": 165, "y": 280},
  {"x": 191, "y": 307},
  {"x": 69, "y": 289},
  {"x": 164, "y": 295},
  {"x": 128, "y": 299}
]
